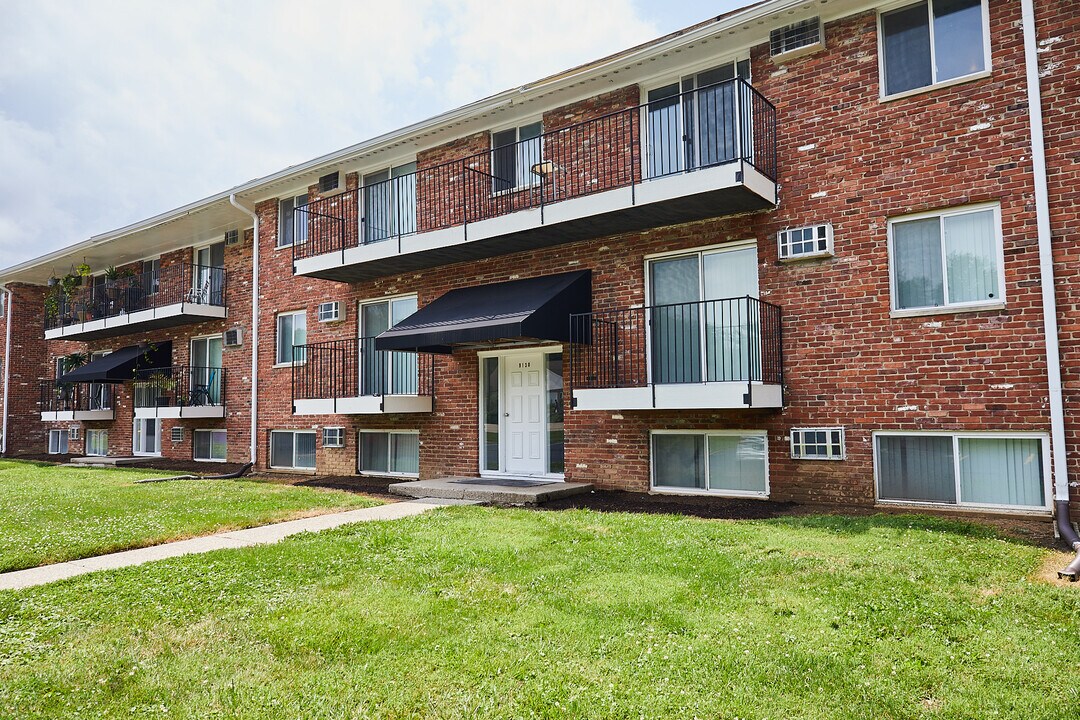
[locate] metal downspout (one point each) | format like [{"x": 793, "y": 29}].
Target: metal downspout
[
  {"x": 254, "y": 327},
  {"x": 10, "y": 309},
  {"x": 1049, "y": 303}
]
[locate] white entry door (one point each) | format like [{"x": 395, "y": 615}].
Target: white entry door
[{"x": 524, "y": 415}]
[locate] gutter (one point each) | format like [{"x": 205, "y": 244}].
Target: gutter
[
  {"x": 10, "y": 309},
  {"x": 1049, "y": 302},
  {"x": 254, "y": 326}
]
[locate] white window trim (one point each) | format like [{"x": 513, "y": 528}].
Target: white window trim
[
  {"x": 995, "y": 304},
  {"x": 61, "y": 433},
  {"x": 277, "y": 331},
  {"x": 86, "y": 442},
  {"x": 700, "y": 252},
  {"x": 978, "y": 75},
  {"x": 210, "y": 430},
  {"x": 1044, "y": 441},
  {"x": 157, "y": 438},
  {"x": 293, "y": 468},
  {"x": 534, "y": 180},
  {"x": 830, "y": 457},
  {"x": 282, "y": 198},
  {"x": 660, "y": 490},
  {"x": 387, "y": 432},
  {"x": 335, "y": 428}
]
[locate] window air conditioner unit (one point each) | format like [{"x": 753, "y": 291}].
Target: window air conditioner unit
[
  {"x": 73, "y": 433},
  {"x": 331, "y": 184},
  {"x": 177, "y": 434},
  {"x": 796, "y": 39},
  {"x": 234, "y": 337},
  {"x": 330, "y": 311},
  {"x": 803, "y": 243}
]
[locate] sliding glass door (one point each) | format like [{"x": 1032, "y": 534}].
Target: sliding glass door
[
  {"x": 702, "y": 327},
  {"x": 386, "y": 373},
  {"x": 687, "y": 129},
  {"x": 390, "y": 203},
  {"x": 206, "y": 370}
]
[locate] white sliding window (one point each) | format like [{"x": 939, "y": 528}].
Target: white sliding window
[
  {"x": 981, "y": 470},
  {"x": 390, "y": 453},
  {"x": 950, "y": 259},
  {"x": 722, "y": 462}
]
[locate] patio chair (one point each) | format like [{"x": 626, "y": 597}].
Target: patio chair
[{"x": 200, "y": 393}]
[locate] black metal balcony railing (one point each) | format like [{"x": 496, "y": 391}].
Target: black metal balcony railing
[
  {"x": 179, "y": 386},
  {"x": 354, "y": 368},
  {"x": 170, "y": 285},
  {"x": 728, "y": 340},
  {"x": 711, "y": 126},
  {"x": 76, "y": 397}
]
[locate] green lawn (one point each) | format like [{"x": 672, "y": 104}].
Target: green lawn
[
  {"x": 491, "y": 613},
  {"x": 50, "y": 514}
]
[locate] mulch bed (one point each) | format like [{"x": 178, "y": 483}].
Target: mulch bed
[{"x": 375, "y": 487}]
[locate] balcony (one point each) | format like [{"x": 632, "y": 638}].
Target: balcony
[
  {"x": 706, "y": 153},
  {"x": 76, "y": 401},
  {"x": 180, "y": 391},
  {"x": 174, "y": 295},
  {"x": 351, "y": 377},
  {"x": 715, "y": 354}
]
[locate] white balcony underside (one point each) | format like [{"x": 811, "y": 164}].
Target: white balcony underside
[
  {"x": 689, "y": 396},
  {"x": 174, "y": 411},
  {"x": 74, "y": 415},
  {"x": 135, "y": 320},
  {"x": 368, "y": 405},
  {"x": 650, "y": 192}
]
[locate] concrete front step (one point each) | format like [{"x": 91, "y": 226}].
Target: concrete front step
[
  {"x": 95, "y": 461},
  {"x": 490, "y": 490}
]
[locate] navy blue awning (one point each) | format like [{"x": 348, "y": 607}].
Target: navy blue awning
[
  {"x": 121, "y": 365},
  {"x": 536, "y": 308}
]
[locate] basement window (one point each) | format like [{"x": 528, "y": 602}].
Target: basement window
[
  {"x": 712, "y": 462},
  {"x": 58, "y": 442},
  {"x": 390, "y": 453},
  {"x": 989, "y": 470},
  {"x": 291, "y": 450}
]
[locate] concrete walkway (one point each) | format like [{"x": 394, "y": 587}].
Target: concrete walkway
[{"x": 262, "y": 535}]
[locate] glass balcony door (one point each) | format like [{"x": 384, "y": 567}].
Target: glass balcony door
[
  {"x": 206, "y": 371},
  {"x": 386, "y": 373},
  {"x": 100, "y": 393},
  {"x": 702, "y": 328},
  {"x": 209, "y": 276},
  {"x": 687, "y": 130},
  {"x": 390, "y": 203}
]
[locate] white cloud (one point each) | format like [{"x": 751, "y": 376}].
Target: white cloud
[{"x": 115, "y": 110}]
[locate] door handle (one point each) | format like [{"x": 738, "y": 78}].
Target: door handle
[{"x": 506, "y": 414}]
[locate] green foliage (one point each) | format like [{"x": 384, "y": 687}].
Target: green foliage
[{"x": 491, "y": 613}]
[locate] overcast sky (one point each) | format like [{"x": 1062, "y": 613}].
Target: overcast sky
[{"x": 114, "y": 111}]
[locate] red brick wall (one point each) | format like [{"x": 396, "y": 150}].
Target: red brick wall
[
  {"x": 26, "y": 434},
  {"x": 236, "y": 362},
  {"x": 846, "y": 158}
]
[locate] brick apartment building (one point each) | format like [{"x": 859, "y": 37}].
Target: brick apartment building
[{"x": 816, "y": 251}]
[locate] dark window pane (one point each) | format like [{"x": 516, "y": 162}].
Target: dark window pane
[
  {"x": 679, "y": 461},
  {"x": 374, "y": 452},
  {"x": 958, "y": 38},
  {"x": 917, "y": 264},
  {"x": 916, "y": 467},
  {"x": 906, "y": 42}
]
